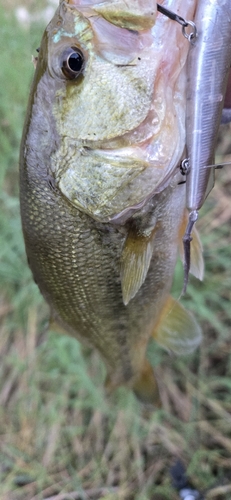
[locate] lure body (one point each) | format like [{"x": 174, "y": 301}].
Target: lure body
[{"x": 209, "y": 62}]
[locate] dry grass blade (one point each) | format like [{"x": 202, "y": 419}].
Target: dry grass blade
[
  {"x": 214, "y": 405},
  {"x": 216, "y": 435},
  {"x": 93, "y": 494},
  {"x": 220, "y": 491}
]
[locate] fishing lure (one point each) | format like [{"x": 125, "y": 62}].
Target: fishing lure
[{"x": 208, "y": 70}]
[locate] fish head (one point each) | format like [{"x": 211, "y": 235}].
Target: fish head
[{"x": 101, "y": 88}]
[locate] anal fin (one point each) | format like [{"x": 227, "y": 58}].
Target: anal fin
[
  {"x": 176, "y": 329},
  {"x": 135, "y": 262},
  {"x": 145, "y": 386}
]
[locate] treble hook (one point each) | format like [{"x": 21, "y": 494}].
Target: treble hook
[{"x": 193, "y": 216}]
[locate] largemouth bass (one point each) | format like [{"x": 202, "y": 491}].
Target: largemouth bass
[{"x": 102, "y": 197}]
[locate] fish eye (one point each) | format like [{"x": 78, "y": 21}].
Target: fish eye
[{"x": 72, "y": 62}]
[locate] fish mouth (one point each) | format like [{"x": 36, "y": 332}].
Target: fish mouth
[
  {"x": 111, "y": 184},
  {"x": 110, "y": 179}
]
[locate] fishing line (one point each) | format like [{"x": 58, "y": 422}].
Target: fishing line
[
  {"x": 185, "y": 166},
  {"x": 180, "y": 20}
]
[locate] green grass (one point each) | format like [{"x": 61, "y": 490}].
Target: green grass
[{"x": 58, "y": 431}]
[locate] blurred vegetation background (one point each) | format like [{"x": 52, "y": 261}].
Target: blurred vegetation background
[{"x": 60, "y": 437}]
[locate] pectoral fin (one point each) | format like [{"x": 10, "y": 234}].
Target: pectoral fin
[
  {"x": 196, "y": 250},
  {"x": 135, "y": 262},
  {"x": 177, "y": 330}
]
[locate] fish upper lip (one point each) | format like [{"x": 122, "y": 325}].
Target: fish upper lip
[{"x": 137, "y": 151}]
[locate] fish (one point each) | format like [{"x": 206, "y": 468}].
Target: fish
[{"x": 101, "y": 193}]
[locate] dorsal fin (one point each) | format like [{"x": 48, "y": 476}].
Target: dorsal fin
[
  {"x": 135, "y": 261},
  {"x": 196, "y": 250},
  {"x": 176, "y": 329}
]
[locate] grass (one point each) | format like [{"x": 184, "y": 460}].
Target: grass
[{"x": 58, "y": 432}]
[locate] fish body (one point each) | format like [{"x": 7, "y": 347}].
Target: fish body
[{"x": 102, "y": 199}]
